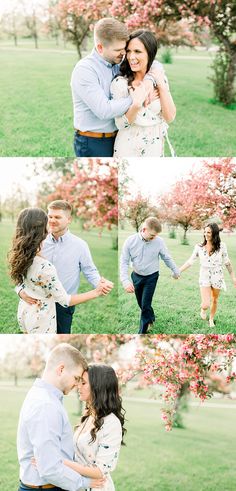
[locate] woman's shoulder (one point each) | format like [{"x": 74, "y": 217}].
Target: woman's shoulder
[
  {"x": 111, "y": 419},
  {"x": 43, "y": 264}
]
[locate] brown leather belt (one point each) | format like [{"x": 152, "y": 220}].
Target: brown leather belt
[
  {"x": 96, "y": 135},
  {"x": 43, "y": 486}
]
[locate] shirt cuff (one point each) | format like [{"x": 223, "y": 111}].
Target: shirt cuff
[
  {"x": 126, "y": 283},
  {"x": 86, "y": 482}
]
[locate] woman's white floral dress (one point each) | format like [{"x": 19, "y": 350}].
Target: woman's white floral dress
[
  {"x": 145, "y": 136},
  {"x": 102, "y": 453},
  {"x": 211, "y": 266},
  {"x": 42, "y": 283}
]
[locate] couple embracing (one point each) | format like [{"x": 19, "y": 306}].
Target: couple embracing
[
  {"x": 49, "y": 456},
  {"x": 46, "y": 260},
  {"x": 121, "y": 98}
]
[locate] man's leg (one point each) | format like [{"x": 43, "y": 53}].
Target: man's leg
[
  {"x": 86, "y": 146},
  {"x": 138, "y": 287},
  {"x": 64, "y": 319},
  {"x": 147, "y": 314}
]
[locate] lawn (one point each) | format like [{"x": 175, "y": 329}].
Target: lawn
[
  {"x": 177, "y": 303},
  {"x": 100, "y": 315},
  {"x": 199, "y": 457},
  {"x": 36, "y": 105}
]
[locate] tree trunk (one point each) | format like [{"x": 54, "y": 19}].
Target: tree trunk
[{"x": 35, "y": 40}]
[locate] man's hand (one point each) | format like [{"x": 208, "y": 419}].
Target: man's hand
[
  {"x": 129, "y": 288},
  {"x": 106, "y": 285},
  {"x": 27, "y": 299},
  {"x": 176, "y": 276},
  {"x": 138, "y": 94},
  {"x": 97, "y": 483}
]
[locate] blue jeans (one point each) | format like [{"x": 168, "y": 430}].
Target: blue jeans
[
  {"x": 86, "y": 146},
  {"x": 23, "y": 487},
  {"x": 144, "y": 287},
  {"x": 64, "y": 319}
]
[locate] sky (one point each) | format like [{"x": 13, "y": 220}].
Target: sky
[
  {"x": 154, "y": 176},
  {"x": 19, "y": 172}
]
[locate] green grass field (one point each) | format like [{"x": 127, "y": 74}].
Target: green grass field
[
  {"x": 199, "y": 457},
  {"x": 177, "y": 302},
  {"x": 36, "y": 105},
  {"x": 97, "y": 316}
]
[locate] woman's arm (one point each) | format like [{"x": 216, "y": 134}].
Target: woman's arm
[
  {"x": 84, "y": 297},
  {"x": 185, "y": 266},
  {"x": 231, "y": 272},
  {"x": 84, "y": 470},
  {"x": 138, "y": 96},
  {"x": 191, "y": 260},
  {"x": 168, "y": 108}
]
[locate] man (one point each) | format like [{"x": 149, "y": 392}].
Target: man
[
  {"x": 143, "y": 249},
  {"x": 44, "y": 432},
  {"x": 70, "y": 255},
  {"x": 94, "y": 111}
]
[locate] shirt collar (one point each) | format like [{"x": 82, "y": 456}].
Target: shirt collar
[
  {"x": 63, "y": 238},
  {"x": 49, "y": 387},
  {"x": 142, "y": 238},
  {"x": 101, "y": 59}
]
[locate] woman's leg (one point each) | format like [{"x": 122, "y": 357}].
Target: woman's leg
[
  {"x": 206, "y": 300},
  {"x": 215, "y": 292}
]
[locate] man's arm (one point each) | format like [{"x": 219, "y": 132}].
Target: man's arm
[
  {"x": 85, "y": 85},
  {"x": 45, "y": 432},
  {"x": 165, "y": 256},
  {"x": 124, "y": 269}
]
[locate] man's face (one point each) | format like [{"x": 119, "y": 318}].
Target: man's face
[
  {"x": 70, "y": 378},
  {"x": 114, "y": 53},
  {"x": 148, "y": 234},
  {"x": 58, "y": 221}
]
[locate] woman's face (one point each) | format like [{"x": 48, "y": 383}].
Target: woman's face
[
  {"x": 137, "y": 55},
  {"x": 84, "y": 388},
  {"x": 208, "y": 233}
]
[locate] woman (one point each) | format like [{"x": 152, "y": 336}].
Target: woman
[
  {"x": 37, "y": 276},
  {"x": 142, "y": 129},
  {"x": 99, "y": 435},
  {"x": 213, "y": 255}
]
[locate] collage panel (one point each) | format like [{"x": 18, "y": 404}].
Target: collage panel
[
  {"x": 59, "y": 229},
  {"x": 171, "y": 399},
  {"x": 177, "y": 245}
]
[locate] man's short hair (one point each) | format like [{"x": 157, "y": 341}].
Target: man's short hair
[
  {"x": 109, "y": 29},
  {"x": 60, "y": 204},
  {"x": 153, "y": 224},
  {"x": 67, "y": 354}
]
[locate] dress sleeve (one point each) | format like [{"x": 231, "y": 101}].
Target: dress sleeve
[
  {"x": 225, "y": 257},
  {"x": 119, "y": 89},
  {"x": 109, "y": 445},
  {"x": 194, "y": 255},
  {"x": 51, "y": 285}
]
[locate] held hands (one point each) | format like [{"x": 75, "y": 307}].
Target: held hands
[
  {"x": 129, "y": 288},
  {"x": 104, "y": 286},
  {"x": 159, "y": 76},
  {"x": 138, "y": 94}
]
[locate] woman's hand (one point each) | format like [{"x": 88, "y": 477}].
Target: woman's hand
[
  {"x": 138, "y": 94},
  {"x": 159, "y": 76},
  {"x": 104, "y": 286}
]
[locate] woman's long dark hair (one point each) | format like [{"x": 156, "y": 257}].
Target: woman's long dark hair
[
  {"x": 149, "y": 41},
  {"x": 31, "y": 230},
  {"x": 105, "y": 398},
  {"x": 215, "y": 238}
]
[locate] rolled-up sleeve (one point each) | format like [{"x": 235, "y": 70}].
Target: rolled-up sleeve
[{"x": 88, "y": 267}]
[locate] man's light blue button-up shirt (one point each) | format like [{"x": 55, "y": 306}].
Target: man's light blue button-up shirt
[
  {"x": 70, "y": 255},
  {"x": 90, "y": 83},
  {"x": 144, "y": 256},
  {"x": 44, "y": 432}
]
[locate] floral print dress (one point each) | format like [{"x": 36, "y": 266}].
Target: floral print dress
[
  {"x": 211, "y": 266},
  {"x": 42, "y": 283},
  {"x": 145, "y": 136},
  {"x": 103, "y": 452}
]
